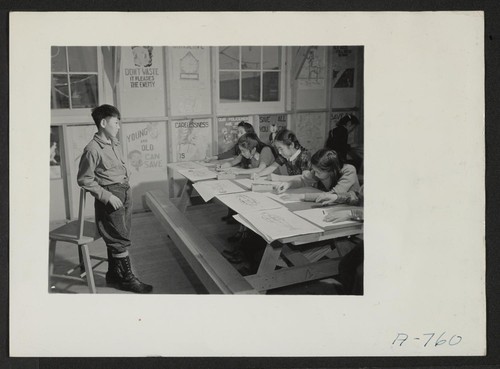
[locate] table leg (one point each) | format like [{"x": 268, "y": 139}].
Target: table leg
[
  {"x": 185, "y": 199},
  {"x": 269, "y": 259}
]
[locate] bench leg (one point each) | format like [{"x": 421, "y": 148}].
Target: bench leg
[
  {"x": 52, "y": 255},
  {"x": 88, "y": 268}
]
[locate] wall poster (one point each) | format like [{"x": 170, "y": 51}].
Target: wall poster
[
  {"x": 313, "y": 72},
  {"x": 227, "y": 132},
  {"x": 191, "y": 139},
  {"x": 269, "y": 125},
  {"x": 190, "y": 92},
  {"x": 142, "y": 81},
  {"x": 344, "y": 75},
  {"x": 145, "y": 148},
  {"x": 55, "y": 155}
]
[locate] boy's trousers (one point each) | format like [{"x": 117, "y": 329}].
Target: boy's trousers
[{"x": 114, "y": 225}]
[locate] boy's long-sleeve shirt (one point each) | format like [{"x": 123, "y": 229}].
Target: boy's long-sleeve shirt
[{"x": 101, "y": 164}]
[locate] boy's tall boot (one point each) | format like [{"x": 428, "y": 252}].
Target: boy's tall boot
[
  {"x": 128, "y": 281},
  {"x": 113, "y": 275}
]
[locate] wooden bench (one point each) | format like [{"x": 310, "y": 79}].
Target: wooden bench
[{"x": 214, "y": 271}]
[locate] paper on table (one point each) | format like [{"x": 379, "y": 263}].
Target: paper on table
[
  {"x": 265, "y": 182},
  {"x": 249, "y": 201},
  {"x": 197, "y": 174},
  {"x": 279, "y": 223},
  {"x": 250, "y": 226},
  {"x": 279, "y": 198},
  {"x": 209, "y": 189},
  {"x": 205, "y": 164},
  {"x": 247, "y": 183},
  {"x": 316, "y": 216},
  {"x": 185, "y": 165}
]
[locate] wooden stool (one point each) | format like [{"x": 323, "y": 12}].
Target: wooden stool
[{"x": 80, "y": 233}]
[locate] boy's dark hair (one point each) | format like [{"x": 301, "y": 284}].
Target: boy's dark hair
[
  {"x": 246, "y": 126},
  {"x": 104, "y": 112}
]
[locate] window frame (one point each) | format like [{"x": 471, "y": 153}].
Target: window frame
[
  {"x": 79, "y": 115},
  {"x": 247, "y": 107}
]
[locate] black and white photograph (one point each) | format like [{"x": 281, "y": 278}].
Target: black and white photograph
[
  {"x": 260, "y": 184},
  {"x": 272, "y": 121}
]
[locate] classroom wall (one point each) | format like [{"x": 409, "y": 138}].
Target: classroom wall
[{"x": 168, "y": 100}]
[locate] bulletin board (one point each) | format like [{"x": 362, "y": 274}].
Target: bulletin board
[
  {"x": 189, "y": 78},
  {"x": 142, "y": 82},
  {"x": 310, "y": 130}
]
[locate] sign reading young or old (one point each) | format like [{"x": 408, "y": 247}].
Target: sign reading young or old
[{"x": 145, "y": 147}]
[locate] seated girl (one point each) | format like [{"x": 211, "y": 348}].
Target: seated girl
[
  {"x": 255, "y": 155},
  {"x": 327, "y": 174},
  {"x": 291, "y": 154},
  {"x": 243, "y": 127}
]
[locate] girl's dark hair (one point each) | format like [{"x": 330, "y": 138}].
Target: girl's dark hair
[
  {"x": 348, "y": 118},
  {"x": 104, "y": 112},
  {"x": 250, "y": 141},
  {"x": 288, "y": 137},
  {"x": 246, "y": 126},
  {"x": 328, "y": 161}
]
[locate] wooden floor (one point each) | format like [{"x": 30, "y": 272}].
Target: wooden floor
[{"x": 155, "y": 259}]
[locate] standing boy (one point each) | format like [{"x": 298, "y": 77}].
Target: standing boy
[{"x": 104, "y": 174}]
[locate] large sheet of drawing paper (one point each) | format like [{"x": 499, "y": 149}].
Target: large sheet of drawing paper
[
  {"x": 247, "y": 183},
  {"x": 185, "y": 165},
  {"x": 279, "y": 223},
  {"x": 279, "y": 198},
  {"x": 317, "y": 215},
  {"x": 195, "y": 175},
  {"x": 205, "y": 164},
  {"x": 248, "y": 201},
  {"x": 209, "y": 189}
]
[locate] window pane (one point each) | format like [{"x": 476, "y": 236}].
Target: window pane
[
  {"x": 270, "y": 86},
  {"x": 229, "y": 57},
  {"x": 250, "y": 86},
  {"x": 82, "y": 59},
  {"x": 229, "y": 90},
  {"x": 59, "y": 92},
  {"x": 83, "y": 91},
  {"x": 58, "y": 59},
  {"x": 272, "y": 57},
  {"x": 250, "y": 57}
]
